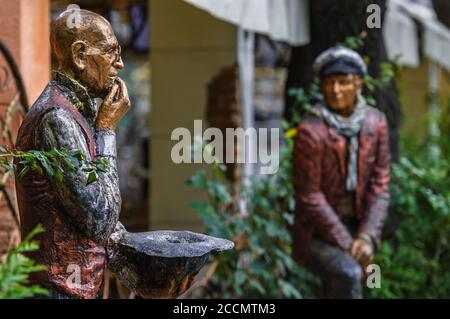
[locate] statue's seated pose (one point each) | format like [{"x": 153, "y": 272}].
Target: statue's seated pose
[
  {"x": 82, "y": 233},
  {"x": 341, "y": 176}
]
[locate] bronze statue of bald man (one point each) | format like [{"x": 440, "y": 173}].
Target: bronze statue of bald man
[
  {"x": 83, "y": 234},
  {"x": 78, "y": 217}
]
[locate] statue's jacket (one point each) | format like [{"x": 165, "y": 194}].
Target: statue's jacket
[
  {"x": 78, "y": 218},
  {"x": 319, "y": 179}
]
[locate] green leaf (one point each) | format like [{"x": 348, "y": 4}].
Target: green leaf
[
  {"x": 59, "y": 176},
  {"x": 240, "y": 277},
  {"x": 256, "y": 285},
  {"x": 201, "y": 207},
  {"x": 199, "y": 180},
  {"x": 23, "y": 172},
  {"x": 289, "y": 290},
  {"x": 46, "y": 165},
  {"x": 92, "y": 177}
]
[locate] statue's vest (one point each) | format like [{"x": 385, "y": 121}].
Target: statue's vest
[{"x": 75, "y": 264}]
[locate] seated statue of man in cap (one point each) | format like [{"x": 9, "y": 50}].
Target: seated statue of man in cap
[{"x": 341, "y": 177}]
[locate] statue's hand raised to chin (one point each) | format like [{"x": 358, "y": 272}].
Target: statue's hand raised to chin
[{"x": 115, "y": 105}]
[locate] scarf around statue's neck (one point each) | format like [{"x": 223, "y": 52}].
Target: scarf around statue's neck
[{"x": 349, "y": 127}]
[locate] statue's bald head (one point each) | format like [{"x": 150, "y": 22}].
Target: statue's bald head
[
  {"x": 86, "y": 48},
  {"x": 88, "y": 26}
]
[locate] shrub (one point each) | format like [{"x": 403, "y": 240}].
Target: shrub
[
  {"x": 261, "y": 265},
  {"x": 15, "y": 268},
  {"x": 415, "y": 255}
]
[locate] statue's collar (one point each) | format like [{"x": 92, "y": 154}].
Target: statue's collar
[{"x": 77, "y": 93}]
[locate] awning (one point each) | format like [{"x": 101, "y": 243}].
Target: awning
[
  {"x": 401, "y": 34},
  {"x": 282, "y": 20},
  {"x": 437, "y": 43}
]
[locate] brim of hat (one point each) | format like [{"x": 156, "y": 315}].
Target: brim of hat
[{"x": 339, "y": 68}]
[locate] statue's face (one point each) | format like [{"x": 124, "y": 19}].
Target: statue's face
[
  {"x": 340, "y": 92},
  {"x": 102, "y": 61}
]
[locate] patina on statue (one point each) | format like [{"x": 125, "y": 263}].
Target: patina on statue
[{"x": 83, "y": 235}]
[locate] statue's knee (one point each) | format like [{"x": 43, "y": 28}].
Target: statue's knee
[{"x": 350, "y": 272}]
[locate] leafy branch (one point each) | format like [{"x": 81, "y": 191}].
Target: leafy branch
[
  {"x": 388, "y": 69},
  {"x": 52, "y": 163},
  {"x": 15, "y": 268},
  {"x": 354, "y": 42}
]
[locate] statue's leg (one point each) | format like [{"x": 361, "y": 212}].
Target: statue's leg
[
  {"x": 54, "y": 294},
  {"x": 340, "y": 273}
]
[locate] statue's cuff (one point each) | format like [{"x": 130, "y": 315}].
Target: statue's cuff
[
  {"x": 106, "y": 143},
  {"x": 368, "y": 239}
]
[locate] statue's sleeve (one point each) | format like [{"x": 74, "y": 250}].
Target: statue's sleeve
[
  {"x": 93, "y": 209},
  {"x": 311, "y": 202},
  {"x": 378, "y": 190}
]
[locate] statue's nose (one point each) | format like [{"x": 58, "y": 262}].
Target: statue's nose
[
  {"x": 336, "y": 88},
  {"x": 119, "y": 63}
]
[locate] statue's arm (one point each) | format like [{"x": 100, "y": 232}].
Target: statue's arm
[
  {"x": 94, "y": 209},
  {"x": 311, "y": 202},
  {"x": 378, "y": 190}
]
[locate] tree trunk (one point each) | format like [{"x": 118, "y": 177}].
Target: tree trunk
[{"x": 331, "y": 22}]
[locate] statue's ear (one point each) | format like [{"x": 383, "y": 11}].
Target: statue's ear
[{"x": 79, "y": 54}]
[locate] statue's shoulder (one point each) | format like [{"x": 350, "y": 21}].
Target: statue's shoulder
[
  {"x": 46, "y": 105},
  {"x": 312, "y": 127},
  {"x": 51, "y": 94},
  {"x": 48, "y": 98},
  {"x": 312, "y": 120},
  {"x": 49, "y": 106},
  {"x": 374, "y": 111},
  {"x": 375, "y": 116},
  {"x": 51, "y": 99}
]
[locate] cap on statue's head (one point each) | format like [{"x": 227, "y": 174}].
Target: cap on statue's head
[{"x": 339, "y": 60}]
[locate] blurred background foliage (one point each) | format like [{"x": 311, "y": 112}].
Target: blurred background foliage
[
  {"x": 415, "y": 254},
  {"x": 261, "y": 265}
]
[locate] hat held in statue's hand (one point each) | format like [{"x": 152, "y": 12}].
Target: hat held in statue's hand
[{"x": 339, "y": 60}]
